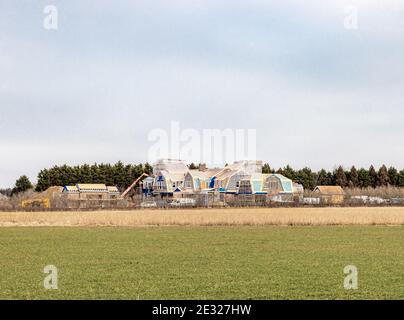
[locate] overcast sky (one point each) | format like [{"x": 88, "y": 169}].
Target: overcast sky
[{"x": 318, "y": 94}]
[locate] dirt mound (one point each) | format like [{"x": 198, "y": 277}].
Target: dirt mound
[{"x": 51, "y": 191}]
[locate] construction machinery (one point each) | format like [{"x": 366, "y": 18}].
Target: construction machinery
[
  {"x": 125, "y": 193},
  {"x": 36, "y": 204}
]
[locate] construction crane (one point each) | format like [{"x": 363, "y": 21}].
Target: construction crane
[{"x": 125, "y": 193}]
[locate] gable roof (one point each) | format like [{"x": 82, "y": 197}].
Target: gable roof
[
  {"x": 112, "y": 189},
  {"x": 94, "y": 187},
  {"x": 171, "y": 176},
  {"x": 174, "y": 177},
  {"x": 259, "y": 176},
  {"x": 170, "y": 165},
  {"x": 279, "y": 176},
  {"x": 213, "y": 171},
  {"x": 225, "y": 173},
  {"x": 287, "y": 184},
  {"x": 85, "y": 187},
  {"x": 70, "y": 189},
  {"x": 199, "y": 174},
  {"x": 330, "y": 190}
]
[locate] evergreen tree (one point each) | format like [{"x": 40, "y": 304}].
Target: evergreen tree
[
  {"x": 400, "y": 179},
  {"x": 364, "y": 178},
  {"x": 148, "y": 168},
  {"x": 324, "y": 178},
  {"x": 95, "y": 174},
  {"x": 353, "y": 180},
  {"x": 280, "y": 171},
  {"x": 122, "y": 175},
  {"x": 132, "y": 172},
  {"x": 373, "y": 177},
  {"x": 266, "y": 169},
  {"x": 288, "y": 172},
  {"x": 85, "y": 174},
  {"x": 119, "y": 175},
  {"x": 340, "y": 177},
  {"x": 44, "y": 181},
  {"x": 383, "y": 177},
  {"x": 66, "y": 174},
  {"x": 393, "y": 176},
  {"x": 21, "y": 185},
  {"x": 109, "y": 175},
  {"x": 306, "y": 177}
]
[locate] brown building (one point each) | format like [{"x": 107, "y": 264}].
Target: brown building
[
  {"x": 330, "y": 194},
  {"x": 83, "y": 191}
]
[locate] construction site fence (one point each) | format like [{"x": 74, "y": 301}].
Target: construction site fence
[{"x": 210, "y": 200}]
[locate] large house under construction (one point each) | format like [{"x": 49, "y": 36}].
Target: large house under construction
[
  {"x": 240, "y": 183},
  {"x": 173, "y": 177}
]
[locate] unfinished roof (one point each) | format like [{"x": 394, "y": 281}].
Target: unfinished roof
[
  {"x": 225, "y": 173},
  {"x": 199, "y": 174},
  {"x": 94, "y": 187},
  {"x": 259, "y": 176},
  {"x": 249, "y": 166},
  {"x": 112, "y": 189},
  {"x": 71, "y": 189},
  {"x": 172, "y": 176},
  {"x": 280, "y": 177},
  {"x": 255, "y": 181},
  {"x": 213, "y": 171},
  {"x": 287, "y": 184},
  {"x": 255, "y": 176},
  {"x": 246, "y": 166},
  {"x": 88, "y": 188},
  {"x": 330, "y": 190},
  {"x": 171, "y": 165}
]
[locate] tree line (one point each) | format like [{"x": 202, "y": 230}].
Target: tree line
[
  {"x": 352, "y": 178},
  {"x": 122, "y": 175},
  {"x": 119, "y": 174}
]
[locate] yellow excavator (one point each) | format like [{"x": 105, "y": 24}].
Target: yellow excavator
[
  {"x": 36, "y": 204},
  {"x": 125, "y": 193}
]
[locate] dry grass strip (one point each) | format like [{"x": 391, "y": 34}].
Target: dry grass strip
[{"x": 210, "y": 217}]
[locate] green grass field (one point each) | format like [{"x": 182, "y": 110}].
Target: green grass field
[{"x": 202, "y": 262}]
